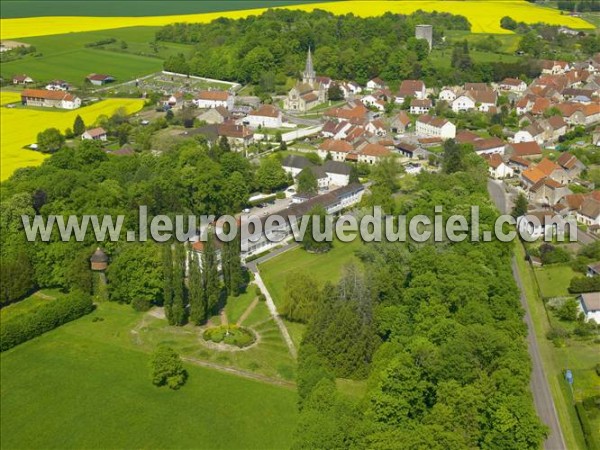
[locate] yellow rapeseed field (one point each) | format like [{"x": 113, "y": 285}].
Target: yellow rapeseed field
[
  {"x": 19, "y": 127},
  {"x": 484, "y": 16}
]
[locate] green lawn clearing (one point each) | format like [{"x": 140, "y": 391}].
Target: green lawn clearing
[
  {"x": 86, "y": 385},
  {"x": 554, "y": 280},
  {"x": 30, "y": 303}
]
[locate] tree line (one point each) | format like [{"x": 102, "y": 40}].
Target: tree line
[{"x": 434, "y": 329}]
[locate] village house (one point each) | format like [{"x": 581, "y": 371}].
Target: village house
[
  {"x": 593, "y": 270},
  {"x": 512, "y": 85},
  {"x": 266, "y": 116},
  {"x": 371, "y": 101},
  {"x": 50, "y": 99},
  {"x": 571, "y": 165},
  {"x": 215, "y": 115},
  {"x": 371, "y": 153},
  {"x": 498, "y": 169},
  {"x": 538, "y": 224},
  {"x": 350, "y": 88},
  {"x": 589, "y": 213},
  {"x": 531, "y": 133},
  {"x": 98, "y": 79},
  {"x": 547, "y": 192},
  {"x": 589, "y": 305},
  {"x": 448, "y": 95},
  {"x": 527, "y": 150},
  {"x": 518, "y": 164},
  {"x": 354, "y": 112},
  {"x": 596, "y": 137},
  {"x": 214, "y": 98},
  {"x": 238, "y": 136},
  {"x": 307, "y": 94},
  {"x": 419, "y": 107},
  {"x": 376, "y": 83},
  {"x": 174, "y": 101},
  {"x": 326, "y": 82},
  {"x": 22, "y": 79},
  {"x": 337, "y": 172},
  {"x": 409, "y": 150},
  {"x": 482, "y": 100},
  {"x": 429, "y": 126},
  {"x": 376, "y": 127},
  {"x": 554, "y": 67},
  {"x": 400, "y": 122},
  {"x": 95, "y": 134},
  {"x": 58, "y": 85},
  {"x": 411, "y": 88},
  {"x": 294, "y": 164},
  {"x": 338, "y": 149}
]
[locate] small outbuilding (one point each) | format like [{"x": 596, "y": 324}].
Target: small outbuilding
[{"x": 99, "y": 260}]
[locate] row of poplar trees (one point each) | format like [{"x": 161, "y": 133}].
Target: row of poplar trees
[{"x": 195, "y": 297}]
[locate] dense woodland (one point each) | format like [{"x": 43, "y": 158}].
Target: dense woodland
[
  {"x": 436, "y": 330},
  {"x": 266, "y": 49},
  {"x": 189, "y": 178}
]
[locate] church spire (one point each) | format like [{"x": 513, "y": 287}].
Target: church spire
[{"x": 309, "y": 75}]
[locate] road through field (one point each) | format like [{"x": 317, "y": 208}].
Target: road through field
[{"x": 542, "y": 397}]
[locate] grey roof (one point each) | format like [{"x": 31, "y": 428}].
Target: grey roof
[
  {"x": 337, "y": 167},
  {"x": 318, "y": 172},
  {"x": 590, "y": 301},
  {"x": 296, "y": 161},
  {"x": 590, "y": 208},
  {"x": 99, "y": 256}
]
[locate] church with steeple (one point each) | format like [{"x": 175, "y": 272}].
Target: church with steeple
[{"x": 308, "y": 93}]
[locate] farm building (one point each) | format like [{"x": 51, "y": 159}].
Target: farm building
[
  {"x": 98, "y": 79},
  {"x": 50, "y": 99},
  {"x": 94, "y": 134},
  {"x": 22, "y": 79}
]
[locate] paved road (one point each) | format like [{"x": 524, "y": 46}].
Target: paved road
[{"x": 542, "y": 397}]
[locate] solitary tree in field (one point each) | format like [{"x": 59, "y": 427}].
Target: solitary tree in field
[
  {"x": 520, "y": 207},
  {"x": 78, "y": 126},
  {"x": 50, "y": 140},
  {"x": 167, "y": 368}
]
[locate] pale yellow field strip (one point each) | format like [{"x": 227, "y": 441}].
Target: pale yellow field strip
[{"x": 484, "y": 16}]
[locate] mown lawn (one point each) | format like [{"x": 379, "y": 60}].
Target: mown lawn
[
  {"x": 86, "y": 385},
  {"x": 324, "y": 267},
  {"x": 554, "y": 280}
]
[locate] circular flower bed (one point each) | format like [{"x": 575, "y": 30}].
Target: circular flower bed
[{"x": 230, "y": 335}]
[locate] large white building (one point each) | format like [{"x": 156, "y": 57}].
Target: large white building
[
  {"x": 212, "y": 99},
  {"x": 50, "y": 99},
  {"x": 267, "y": 116},
  {"x": 430, "y": 126}
]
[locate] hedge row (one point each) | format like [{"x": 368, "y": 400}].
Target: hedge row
[
  {"x": 46, "y": 317},
  {"x": 588, "y": 431}
]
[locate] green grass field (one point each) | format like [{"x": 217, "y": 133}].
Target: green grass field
[
  {"x": 101, "y": 8},
  {"x": 30, "y": 303},
  {"x": 324, "y": 267},
  {"x": 86, "y": 385},
  {"x": 65, "y": 56},
  {"x": 554, "y": 280},
  {"x": 575, "y": 355}
]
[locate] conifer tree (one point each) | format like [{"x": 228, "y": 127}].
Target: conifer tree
[
  {"x": 178, "y": 312},
  {"x": 196, "y": 291},
  {"x": 78, "y": 126},
  {"x": 167, "y": 258},
  {"x": 210, "y": 273}
]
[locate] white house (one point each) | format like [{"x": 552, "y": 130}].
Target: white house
[
  {"x": 94, "y": 134},
  {"x": 411, "y": 88},
  {"x": 337, "y": 172},
  {"x": 537, "y": 224},
  {"x": 293, "y": 164},
  {"x": 373, "y": 102},
  {"x": 22, "y": 79},
  {"x": 375, "y": 83},
  {"x": 50, "y": 99},
  {"x": 447, "y": 95},
  {"x": 372, "y": 153},
  {"x": 350, "y": 88},
  {"x": 420, "y": 106},
  {"x": 497, "y": 167},
  {"x": 480, "y": 100},
  {"x": 589, "y": 305},
  {"x": 212, "y": 99},
  {"x": 267, "y": 116},
  {"x": 513, "y": 85},
  {"x": 430, "y": 126},
  {"x": 337, "y": 148},
  {"x": 589, "y": 213}
]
